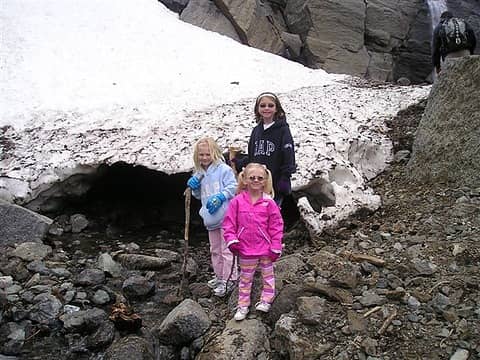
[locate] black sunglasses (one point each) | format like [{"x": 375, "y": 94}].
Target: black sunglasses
[
  {"x": 253, "y": 178},
  {"x": 267, "y": 105}
]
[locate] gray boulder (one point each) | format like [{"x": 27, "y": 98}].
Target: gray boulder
[
  {"x": 183, "y": 324},
  {"x": 446, "y": 143},
  {"x": 246, "y": 340},
  {"x": 19, "y": 225}
]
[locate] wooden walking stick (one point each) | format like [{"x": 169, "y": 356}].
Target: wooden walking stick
[{"x": 188, "y": 198}]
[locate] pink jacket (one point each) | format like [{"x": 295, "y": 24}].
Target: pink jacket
[{"x": 258, "y": 227}]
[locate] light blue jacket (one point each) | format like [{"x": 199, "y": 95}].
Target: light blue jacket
[{"x": 217, "y": 178}]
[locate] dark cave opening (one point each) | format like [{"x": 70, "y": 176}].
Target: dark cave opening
[{"x": 123, "y": 198}]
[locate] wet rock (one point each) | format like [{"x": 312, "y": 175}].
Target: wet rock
[
  {"x": 109, "y": 266},
  {"x": 101, "y": 338},
  {"x": 137, "y": 287},
  {"x": 142, "y": 262},
  {"x": 101, "y": 297},
  {"x": 79, "y": 222},
  {"x": 83, "y": 320},
  {"x": 168, "y": 255},
  {"x": 39, "y": 267},
  {"x": 13, "y": 336},
  {"x": 30, "y": 251},
  {"x": 200, "y": 290},
  {"x": 90, "y": 277},
  {"x": 130, "y": 347},
  {"x": 46, "y": 310},
  {"x": 60, "y": 273},
  {"x": 183, "y": 324}
]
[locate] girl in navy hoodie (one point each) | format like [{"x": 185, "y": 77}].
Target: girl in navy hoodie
[
  {"x": 214, "y": 183},
  {"x": 271, "y": 144}
]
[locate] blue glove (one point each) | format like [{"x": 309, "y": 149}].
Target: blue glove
[
  {"x": 214, "y": 202},
  {"x": 193, "y": 183}
]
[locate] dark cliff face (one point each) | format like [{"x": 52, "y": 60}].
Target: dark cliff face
[
  {"x": 412, "y": 58},
  {"x": 382, "y": 40}
]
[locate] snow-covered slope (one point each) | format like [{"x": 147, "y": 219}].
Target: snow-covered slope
[{"x": 91, "y": 82}]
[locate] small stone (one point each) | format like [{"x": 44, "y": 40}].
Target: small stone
[{"x": 460, "y": 354}]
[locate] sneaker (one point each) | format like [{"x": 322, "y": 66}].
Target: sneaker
[
  {"x": 241, "y": 313},
  {"x": 212, "y": 284},
  {"x": 263, "y": 306},
  {"x": 223, "y": 288}
]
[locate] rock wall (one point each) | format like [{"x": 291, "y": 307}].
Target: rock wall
[
  {"x": 446, "y": 143},
  {"x": 382, "y": 40}
]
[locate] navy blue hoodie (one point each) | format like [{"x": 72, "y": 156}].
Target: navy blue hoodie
[{"x": 274, "y": 148}]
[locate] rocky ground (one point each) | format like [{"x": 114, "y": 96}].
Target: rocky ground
[
  {"x": 399, "y": 283},
  {"x": 428, "y": 236}
]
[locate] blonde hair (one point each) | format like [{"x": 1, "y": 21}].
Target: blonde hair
[
  {"x": 243, "y": 177},
  {"x": 214, "y": 149}
]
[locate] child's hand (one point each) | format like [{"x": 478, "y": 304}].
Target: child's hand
[
  {"x": 234, "y": 248},
  {"x": 214, "y": 202},
  {"x": 193, "y": 183},
  {"x": 284, "y": 186},
  {"x": 274, "y": 256}
]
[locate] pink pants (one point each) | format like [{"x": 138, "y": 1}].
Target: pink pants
[
  {"x": 222, "y": 258},
  {"x": 247, "y": 272}
]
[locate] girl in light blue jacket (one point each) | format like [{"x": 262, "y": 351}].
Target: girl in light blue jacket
[{"x": 214, "y": 183}]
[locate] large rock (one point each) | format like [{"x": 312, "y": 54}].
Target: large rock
[
  {"x": 183, "y": 324},
  {"x": 446, "y": 144},
  {"x": 207, "y": 15},
  {"x": 336, "y": 39},
  {"x": 246, "y": 340},
  {"x": 19, "y": 225},
  {"x": 248, "y": 21}
]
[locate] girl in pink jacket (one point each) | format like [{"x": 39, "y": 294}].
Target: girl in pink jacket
[{"x": 253, "y": 229}]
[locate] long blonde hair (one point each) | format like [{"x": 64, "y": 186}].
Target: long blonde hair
[
  {"x": 214, "y": 149},
  {"x": 243, "y": 177}
]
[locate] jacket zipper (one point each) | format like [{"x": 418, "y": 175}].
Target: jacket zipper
[{"x": 263, "y": 234}]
